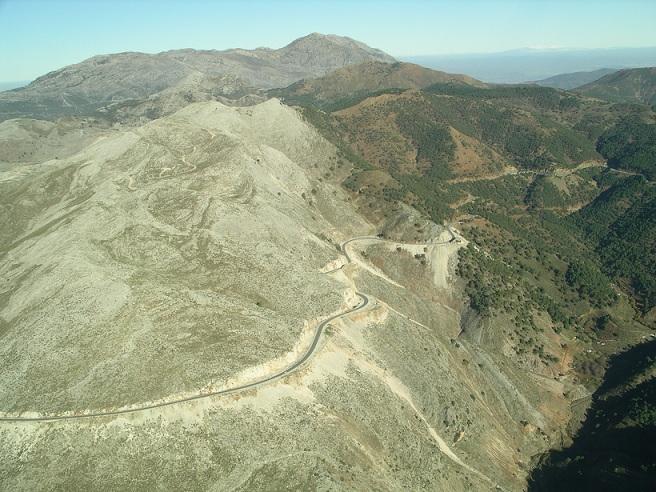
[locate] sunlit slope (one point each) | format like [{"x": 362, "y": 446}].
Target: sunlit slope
[
  {"x": 199, "y": 252},
  {"x": 166, "y": 258},
  {"x": 630, "y": 85}
]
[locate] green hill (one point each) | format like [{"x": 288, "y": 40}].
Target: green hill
[
  {"x": 621, "y": 222},
  {"x": 558, "y": 234},
  {"x": 630, "y": 145},
  {"x": 353, "y": 83},
  {"x": 424, "y": 138},
  {"x": 630, "y": 85},
  {"x": 573, "y": 80}
]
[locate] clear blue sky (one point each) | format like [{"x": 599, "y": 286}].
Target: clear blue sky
[{"x": 37, "y": 36}]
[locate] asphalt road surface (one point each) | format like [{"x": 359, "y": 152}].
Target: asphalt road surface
[{"x": 228, "y": 391}]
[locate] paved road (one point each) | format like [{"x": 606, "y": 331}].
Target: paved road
[
  {"x": 364, "y": 300},
  {"x": 236, "y": 389},
  {"x": 376, "y": 238}
]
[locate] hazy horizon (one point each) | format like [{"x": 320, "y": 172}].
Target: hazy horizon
[
  {"x": 510, "y": 66},
  {"x": 38, "y": 36}
]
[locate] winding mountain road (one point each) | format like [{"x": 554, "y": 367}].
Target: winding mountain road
[
  {"x": 224, "y": 392},
  {"x": 364, "y": 301},
  {"x": 377, "y": 238}
]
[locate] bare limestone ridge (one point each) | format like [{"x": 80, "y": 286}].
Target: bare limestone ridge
[
  {"x": 141, "y": 239},
  {"x": 82, "y": 88},
  {"x": 148, "y": 271}
]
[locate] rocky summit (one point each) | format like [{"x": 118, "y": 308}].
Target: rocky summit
[{"x": 83, "y": 88}]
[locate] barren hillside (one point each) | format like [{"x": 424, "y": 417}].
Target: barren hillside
[
  {"x": 150, "y": 272},
  {"x": 85, "y": 87}
]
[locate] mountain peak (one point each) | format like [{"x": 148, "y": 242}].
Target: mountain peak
[
  {"x": 318, "y": 36},
  {"x": 343, "y": 50},
  {"x": 85, "y": 87}
]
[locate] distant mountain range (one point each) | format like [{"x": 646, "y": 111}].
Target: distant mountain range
[
  {"x": 85, "y": 87},
  {"x": 140, "y": 85},
  {"x": 633, "y": 85},
  {"x": 636, "y": 85},
  {"x": 573, "y": 80},
  {"x": 523, "y": 65}
]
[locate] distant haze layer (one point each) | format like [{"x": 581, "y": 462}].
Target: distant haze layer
[
  {"x": 527, "y": 65},
  {"x": 6, "y": 86}
]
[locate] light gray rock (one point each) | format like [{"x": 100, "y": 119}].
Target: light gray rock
[{"x": 83, "y": 88}]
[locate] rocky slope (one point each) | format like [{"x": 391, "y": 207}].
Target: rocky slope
[
  {"x": 402, "y": 285},
  {"x": 150, "y": 228},
  {"x": 187, "y": 255},
  {"x": 83, "y": 88}
]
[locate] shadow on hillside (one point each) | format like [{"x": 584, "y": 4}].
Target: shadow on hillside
[{"x": 615, "y": 449}]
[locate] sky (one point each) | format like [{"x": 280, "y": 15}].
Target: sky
[{"x": 38, "y": 36}]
